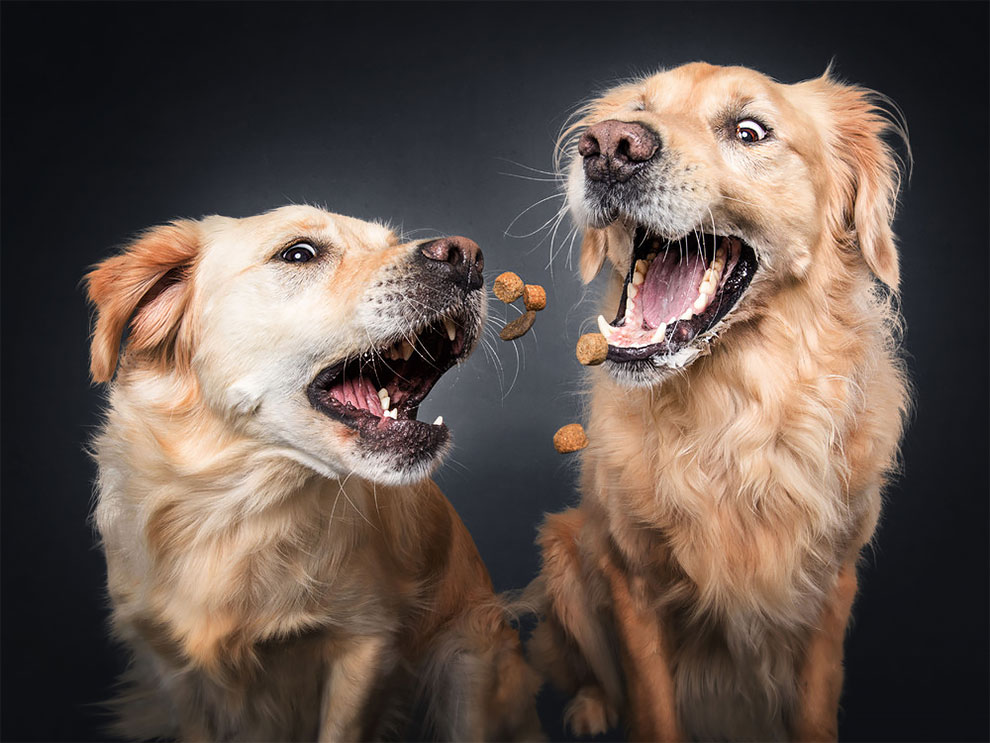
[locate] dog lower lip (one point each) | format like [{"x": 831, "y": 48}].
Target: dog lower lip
[{"x": 677, "y": 291}]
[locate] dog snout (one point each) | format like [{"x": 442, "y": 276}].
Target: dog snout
[
  {"x": 614, "y": 150},
  {"x": 459, "y": 258}
]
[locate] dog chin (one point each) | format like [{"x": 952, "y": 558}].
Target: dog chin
[{"x": 398, "y": 468}]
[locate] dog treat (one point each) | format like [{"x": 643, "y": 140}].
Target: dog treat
[
  {"x": 508, "y": 287},
  {"x": 570, "y": 438},
  {"x": 592, "y": 348},
  {"x": 534, "y": 297},
  {"x": 518, "y": 327}
]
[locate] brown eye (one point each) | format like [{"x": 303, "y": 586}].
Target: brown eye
[
  {"x": 749, "y": 131},
  {"x": 299, "y": 253}
]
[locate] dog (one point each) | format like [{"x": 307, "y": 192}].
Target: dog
[
  {"x": 279, "y": 565},
  {"x": 749, "y": 412}
]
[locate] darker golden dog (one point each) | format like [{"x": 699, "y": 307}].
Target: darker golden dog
[
  {"x": 748, "y": 415},
  {"x": 279, "y": 565}
]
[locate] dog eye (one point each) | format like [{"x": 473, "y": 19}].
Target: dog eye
[
  {"x": 299, "y": 253},
  {"x": 749, "y": 131}
]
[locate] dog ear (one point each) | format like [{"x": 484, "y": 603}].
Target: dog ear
[
  {"x": 148, "y": 285},
  {"x": 869, "y": 195},
  {"x": 593, "y": 250}
]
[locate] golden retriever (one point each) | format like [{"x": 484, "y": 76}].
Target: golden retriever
[
  {"x": 749, "y": 412},
  {"x": 278, "y": 563}
]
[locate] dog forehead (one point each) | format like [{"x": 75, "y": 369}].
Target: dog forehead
[
  {"x": 243, "y": 241},
  {"x": 701, "y": 90}
]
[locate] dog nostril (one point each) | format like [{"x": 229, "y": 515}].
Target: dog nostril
[{"x": 588, "y": 145}]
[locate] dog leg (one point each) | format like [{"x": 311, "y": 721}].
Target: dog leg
[
  {"x": 820, "y": 678},
  {"x": 572, "y": 645},
  {"x": 345, "y": 693},
  {"x": 645, "y": 651}
]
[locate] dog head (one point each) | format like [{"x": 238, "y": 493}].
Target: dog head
[
  {"x": 306, "y": 330},
  {"x": 713, "y": 189}
]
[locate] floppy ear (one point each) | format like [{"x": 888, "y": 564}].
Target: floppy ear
[
  {"x": 872, "y": 175},
  {"x": 593, "y": 249},
  {"x": 147, "y": 284}
]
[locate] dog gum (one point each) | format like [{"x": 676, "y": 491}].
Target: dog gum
[
  {"x": 570, "y": 438},
  {"x": 508, "y": 287},
  {"x": 592, "y": 348}
]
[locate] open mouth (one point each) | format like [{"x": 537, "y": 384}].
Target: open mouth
[
  {"x": 677, "y": 293},
  {"x": 378, "y": 393}
]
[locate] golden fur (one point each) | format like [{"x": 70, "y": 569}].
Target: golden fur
[
  {"x": 271, "y": 581},
  {"x": 703, "y": 584}
]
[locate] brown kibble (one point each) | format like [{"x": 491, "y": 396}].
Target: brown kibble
[
  {"x": 508, "y": 287},
  {"x": 592, "y": 348},
  {"x": 570, "y": 438},
  {"x": 518, "y": 327},
  {"x": 534, "y": 297}
]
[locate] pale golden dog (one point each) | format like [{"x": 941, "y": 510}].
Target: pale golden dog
[
  {"x": 748, "y": 415},
  {"x": 278, "y": 564}
]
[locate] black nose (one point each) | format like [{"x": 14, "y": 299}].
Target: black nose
[
  {"x": 614, "y": 150},
  {"x": 458, "y": 257}
]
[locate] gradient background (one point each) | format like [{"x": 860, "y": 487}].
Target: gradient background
[{"x": 116, "y": 117}]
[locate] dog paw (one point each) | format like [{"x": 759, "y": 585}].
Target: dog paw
[{"x": 589, "y": 713}]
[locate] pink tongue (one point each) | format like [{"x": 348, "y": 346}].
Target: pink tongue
[
  {"x": 671, "y": 286},
  {"x": 360, "y": 393}
]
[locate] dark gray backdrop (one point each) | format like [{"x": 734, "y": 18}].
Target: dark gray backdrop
[{"x": 116, "y": 117}]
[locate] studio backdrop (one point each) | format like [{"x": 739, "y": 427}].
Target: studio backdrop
[{"x": 442, "y": 119}]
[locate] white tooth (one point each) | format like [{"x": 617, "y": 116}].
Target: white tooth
[
  {"x": 638, "y": 278},
  {"x": 451, "y": 330},
  {"x": 659, "y": 333},
  {"x": 633, "y": 290},
  {"x": 700, "y": 303},
  {"x": 688, "y": 314},
  {"x": 438, "y": 421},
  {"x": 630, "y": 309},
  {"x": 390, "y": 414},
  {"x": 385, "y": 401},
  {"x": 407, "y": 350},
  {"x": 604, "y": 327},
  {"x": 707, "y": 287},
  {"x": 382, "y": 393}
]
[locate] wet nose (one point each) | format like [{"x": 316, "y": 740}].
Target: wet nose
[
  {"x": 614, "y": 150},
  {"x": 458, "y": 257}
]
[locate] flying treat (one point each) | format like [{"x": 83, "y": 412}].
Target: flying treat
[
  {"x": 592, "y": 348},
  {"x": 508, "y": 287},
  {"x": 518, "y": 327},
  {"x": 534, "y": 297},
  {"x": 570, "y": 438}
]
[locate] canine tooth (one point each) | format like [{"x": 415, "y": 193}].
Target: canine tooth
[
  {"x": 438, "y": 421},
  {"x": 407, "y": 350},
  {"x": 390, "y": 414},
  {"x": 659, "y": 333},
  {"x": 604, "y": 327},
  {"x": 451, "y": 330}
]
